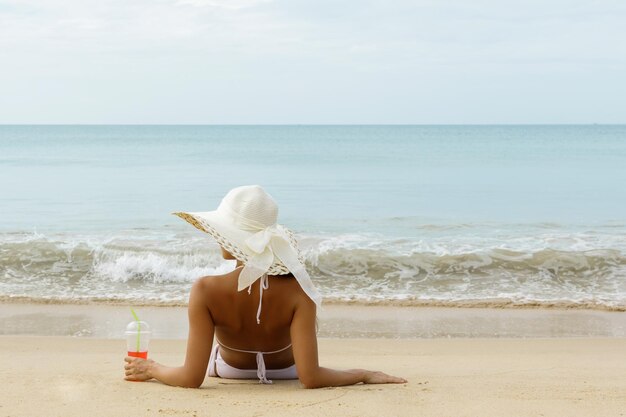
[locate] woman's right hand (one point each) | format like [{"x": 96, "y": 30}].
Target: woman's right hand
[
  {"x": 377, "y": 377},
  {"x": 138, "y": 369}
]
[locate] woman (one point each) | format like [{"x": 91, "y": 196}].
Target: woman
[{"x": 267, "y": 332}]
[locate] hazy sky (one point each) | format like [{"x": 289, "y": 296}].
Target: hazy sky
[{"x": 317, "y": 61}]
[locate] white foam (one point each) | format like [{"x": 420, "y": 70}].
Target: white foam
[{"x": 546, "y": 267}]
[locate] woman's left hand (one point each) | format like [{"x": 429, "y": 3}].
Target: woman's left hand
[{"x": 138, "y": 369}]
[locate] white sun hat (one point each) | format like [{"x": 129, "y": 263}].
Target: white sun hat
[{"x": 245, "y": 224}]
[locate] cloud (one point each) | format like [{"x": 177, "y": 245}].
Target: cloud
[
  {"x": 428, "y": 31},
  {"x": 306, "y": 51},
  {"x": 222, "y": 4}
]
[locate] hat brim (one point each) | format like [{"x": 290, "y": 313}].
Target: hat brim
[{"x": 227, "y": 236}]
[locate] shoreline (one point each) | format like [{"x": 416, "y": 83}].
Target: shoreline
[
  {"x": 335, "y": 321},
  {"x": 480, "y": 304}
]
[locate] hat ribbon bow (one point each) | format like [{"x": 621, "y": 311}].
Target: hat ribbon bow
[{"x": 264, "y": 244}]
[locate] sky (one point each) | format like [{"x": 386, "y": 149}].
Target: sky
[{"x": 312, "y": 62}]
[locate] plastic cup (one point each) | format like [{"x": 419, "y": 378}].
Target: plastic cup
[{"x": 137, "y": 339}]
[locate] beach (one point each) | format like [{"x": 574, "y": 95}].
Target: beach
[
  {"x": 483, "y": 362},
  {"x": 483, "y": 263},
  {"x": 443, "y": 180},
  {"x": 62, "y": 376}
]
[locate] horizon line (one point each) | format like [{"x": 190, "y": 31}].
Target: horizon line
[{"x": 312, "y": 124}]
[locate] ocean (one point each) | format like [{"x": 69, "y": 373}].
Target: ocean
[{"x": 403, "y": 215}]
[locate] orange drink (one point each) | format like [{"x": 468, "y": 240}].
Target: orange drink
[{"x": 142, "y": 355}]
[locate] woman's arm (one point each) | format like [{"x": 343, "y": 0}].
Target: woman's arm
[
  {"x": 304, "y": 343},
  {"x": 199, "y": 345}
]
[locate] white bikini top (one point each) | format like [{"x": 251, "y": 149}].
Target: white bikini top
[{"x": 261, "y": 371}]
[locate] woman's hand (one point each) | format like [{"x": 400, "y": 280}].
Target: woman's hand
[
  {"x": 376, "y": 377},
  {"x": 138, "y": 369},
  {"x": 192, "y": 373}
]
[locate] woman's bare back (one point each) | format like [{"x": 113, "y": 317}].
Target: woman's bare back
[
  {"x": 234, "y": 316},
  {"x": 216, "y": 308}
]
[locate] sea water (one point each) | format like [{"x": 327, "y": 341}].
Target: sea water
[{"x": 494, "y": 215}]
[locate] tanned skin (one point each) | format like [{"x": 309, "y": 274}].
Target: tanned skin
[{"x": 288, "y": 316}]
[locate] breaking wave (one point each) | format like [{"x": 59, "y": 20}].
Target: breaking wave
[{"x": 567, "y": 270}]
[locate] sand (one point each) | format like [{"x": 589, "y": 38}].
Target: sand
[
  {"x": 68, "y": 376},
  {"x": 67, "y": 360}
]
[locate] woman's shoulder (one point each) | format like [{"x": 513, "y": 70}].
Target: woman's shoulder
[
  {"x": 215, "y": 281},
  {"x": 288, "y": 286}
]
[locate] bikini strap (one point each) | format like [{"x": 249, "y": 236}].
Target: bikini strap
[
  {"x": 261, "y": 371},
  {"x": 251, "y": 351},
  {"x": 264, "y": 283}
]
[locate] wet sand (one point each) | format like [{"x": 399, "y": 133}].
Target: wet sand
[{"x": 336, "y": 321}]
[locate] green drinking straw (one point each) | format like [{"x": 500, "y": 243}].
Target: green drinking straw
[{"x": 138, "y": 326}]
